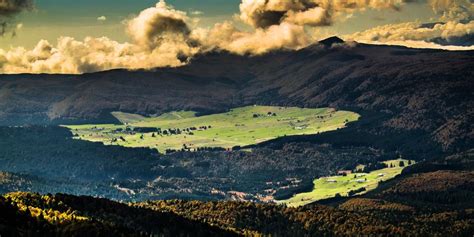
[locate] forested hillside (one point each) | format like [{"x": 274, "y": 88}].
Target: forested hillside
[
  {"x": 49, "y": 160},
  {"x": 29, "y": 214},
  {"x": 421, "y": 204}
]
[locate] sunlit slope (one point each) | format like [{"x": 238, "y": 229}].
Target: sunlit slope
[
  {"x": 357, "y": 183},
  {"x": 238, "y": 127}
]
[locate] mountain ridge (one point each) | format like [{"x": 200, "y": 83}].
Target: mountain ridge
[{"x": 428, "y": 90}]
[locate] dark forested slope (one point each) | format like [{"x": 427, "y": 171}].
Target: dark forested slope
[{"x": 417, "y": 204}]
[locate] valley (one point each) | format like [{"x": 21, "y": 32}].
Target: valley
[
  {"x": 48, "y": 160},
  {"x": 349, "y": 183},
  {"x": 240, "y": 127}
]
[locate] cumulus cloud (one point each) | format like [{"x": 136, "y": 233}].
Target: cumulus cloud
[
  {"x": 157, "y": 24},
  {"x": 281, "y": 24},
  {"x": 424, "y": 45},
  {"x": 457, "y": 10},
  {"x": 414, "y": 31},
  {"x": 263, "y": 14},
  {"x": 160, "y": 38},
  {"x": 163, "y": 36},
  {"x": 227, "y": 36},
  {"x": 11, "y": 7},
  {"x": 8, "y": 10},
  {"x": 102, "y": 18},
  {"x": 90, "y": 55},
  {"x": 454, "y": 28}
]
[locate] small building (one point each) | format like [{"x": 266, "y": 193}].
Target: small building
[
  {"x": 360, "y": 181},
  {"x": 331, "y": 181},
  {"x": 344, "y": 172}
]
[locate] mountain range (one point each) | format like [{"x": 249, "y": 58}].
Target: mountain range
[{"x": 417, "y": 89}]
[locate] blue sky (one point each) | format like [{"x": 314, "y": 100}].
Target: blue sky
[{"x": 87, "y": 8}]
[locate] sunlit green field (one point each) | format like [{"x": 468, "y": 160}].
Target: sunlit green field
[
  {"x": 328, "y": 187},
  {"x": 238, "y": 127}
]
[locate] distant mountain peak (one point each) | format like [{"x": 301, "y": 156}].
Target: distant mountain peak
[{"x": 331, "y": 41}]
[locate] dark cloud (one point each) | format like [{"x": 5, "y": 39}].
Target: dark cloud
[
  {"x": 463, "y": 40},
  {"x": 266, "y": 19},
  {"x": 12, "y": 7},
  {"x": 157, "y": 23},
  {"x": 266, "y": 13},
  {"x": 8, "y": 10}
]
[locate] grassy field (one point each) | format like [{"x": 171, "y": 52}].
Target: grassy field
[
  {"x": 238, "y": 127},
  {"x": 328, "y": 187}
]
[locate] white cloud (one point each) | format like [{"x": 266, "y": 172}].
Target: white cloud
[
  {"x": 262, "y": 14},
  {"x": 157, "y": 24},
  {"x": 91, "y": 54},
  {"x": 163, "y": 36},
  {"x": 456, "y": 23},
  {"x": 227, "y": 36},
  {"x": 102, "y": 18},
  {"x": 414, "y": 31},
  {"x": 196, "y": 13},
  {"x": 8, "y": 10},
  {"x": 160, "y": 38},
  {"x": 421, "y": 44}
]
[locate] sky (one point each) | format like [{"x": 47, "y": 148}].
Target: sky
[
  {"x": 66, "y": 36},
  {"x": 54, "y": 18}
]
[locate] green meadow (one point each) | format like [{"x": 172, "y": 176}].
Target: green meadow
[
  {"x": 239, "y": 127},
  {"x": 329, "y": 187}
]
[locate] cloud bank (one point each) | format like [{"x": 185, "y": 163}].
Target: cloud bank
[
  {"x": 163, "y": 36},
  {"x": 263, "y": 14},
  {"x": 453, "y": 31},
  {"x": 160, "y": 38}
]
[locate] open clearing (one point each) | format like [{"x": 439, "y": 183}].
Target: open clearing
[
  {"x": 238, "y": 127},
  {"x": 329, "y": 187}
]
